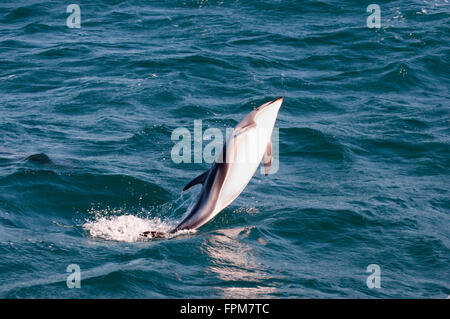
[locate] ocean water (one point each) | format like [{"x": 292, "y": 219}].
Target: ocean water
[{"x": 87, "y": 114}]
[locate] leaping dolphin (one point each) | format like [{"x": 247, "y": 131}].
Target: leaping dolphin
[{"x": 248, "y": 145}]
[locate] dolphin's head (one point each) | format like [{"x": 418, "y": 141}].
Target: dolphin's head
[{"x": 266, "y": 115}]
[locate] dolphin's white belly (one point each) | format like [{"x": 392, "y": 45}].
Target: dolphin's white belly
[{"x": 245, "y": 155}]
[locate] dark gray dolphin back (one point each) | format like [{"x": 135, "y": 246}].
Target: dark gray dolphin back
[{"x": 203, "y": 206}]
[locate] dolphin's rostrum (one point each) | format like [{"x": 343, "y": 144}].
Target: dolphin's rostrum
[{"x": 248, "y": 145}]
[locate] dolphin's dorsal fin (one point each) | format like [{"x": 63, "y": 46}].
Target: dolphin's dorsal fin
[
  {"x": 267, "y": 158},
  {"x": 198, "y": 180}
]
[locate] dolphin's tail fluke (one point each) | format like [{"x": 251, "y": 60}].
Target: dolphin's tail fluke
[{"x": 153, "y": 234}]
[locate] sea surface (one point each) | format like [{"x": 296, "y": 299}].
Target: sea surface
[{"x": 86, "y": 122}]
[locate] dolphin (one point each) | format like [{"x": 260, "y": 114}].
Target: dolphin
[{"x": 247, "y": 145}]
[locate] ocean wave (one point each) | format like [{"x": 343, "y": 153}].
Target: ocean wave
[{"x": 308, "y": 142}]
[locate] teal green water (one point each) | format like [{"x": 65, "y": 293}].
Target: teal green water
[{"x": 364, "y": 156}]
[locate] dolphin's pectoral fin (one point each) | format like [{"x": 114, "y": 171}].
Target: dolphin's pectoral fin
[
  {"x": 267, "y": 158},
  {"x": 198, "y": 180}
]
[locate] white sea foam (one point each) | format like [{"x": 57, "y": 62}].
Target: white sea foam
[{"x": 126, "y": 228}]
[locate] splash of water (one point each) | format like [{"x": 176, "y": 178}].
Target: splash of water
[
  {"x": 114, "y": 224},
  {"x": 126, "y": 228}
]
